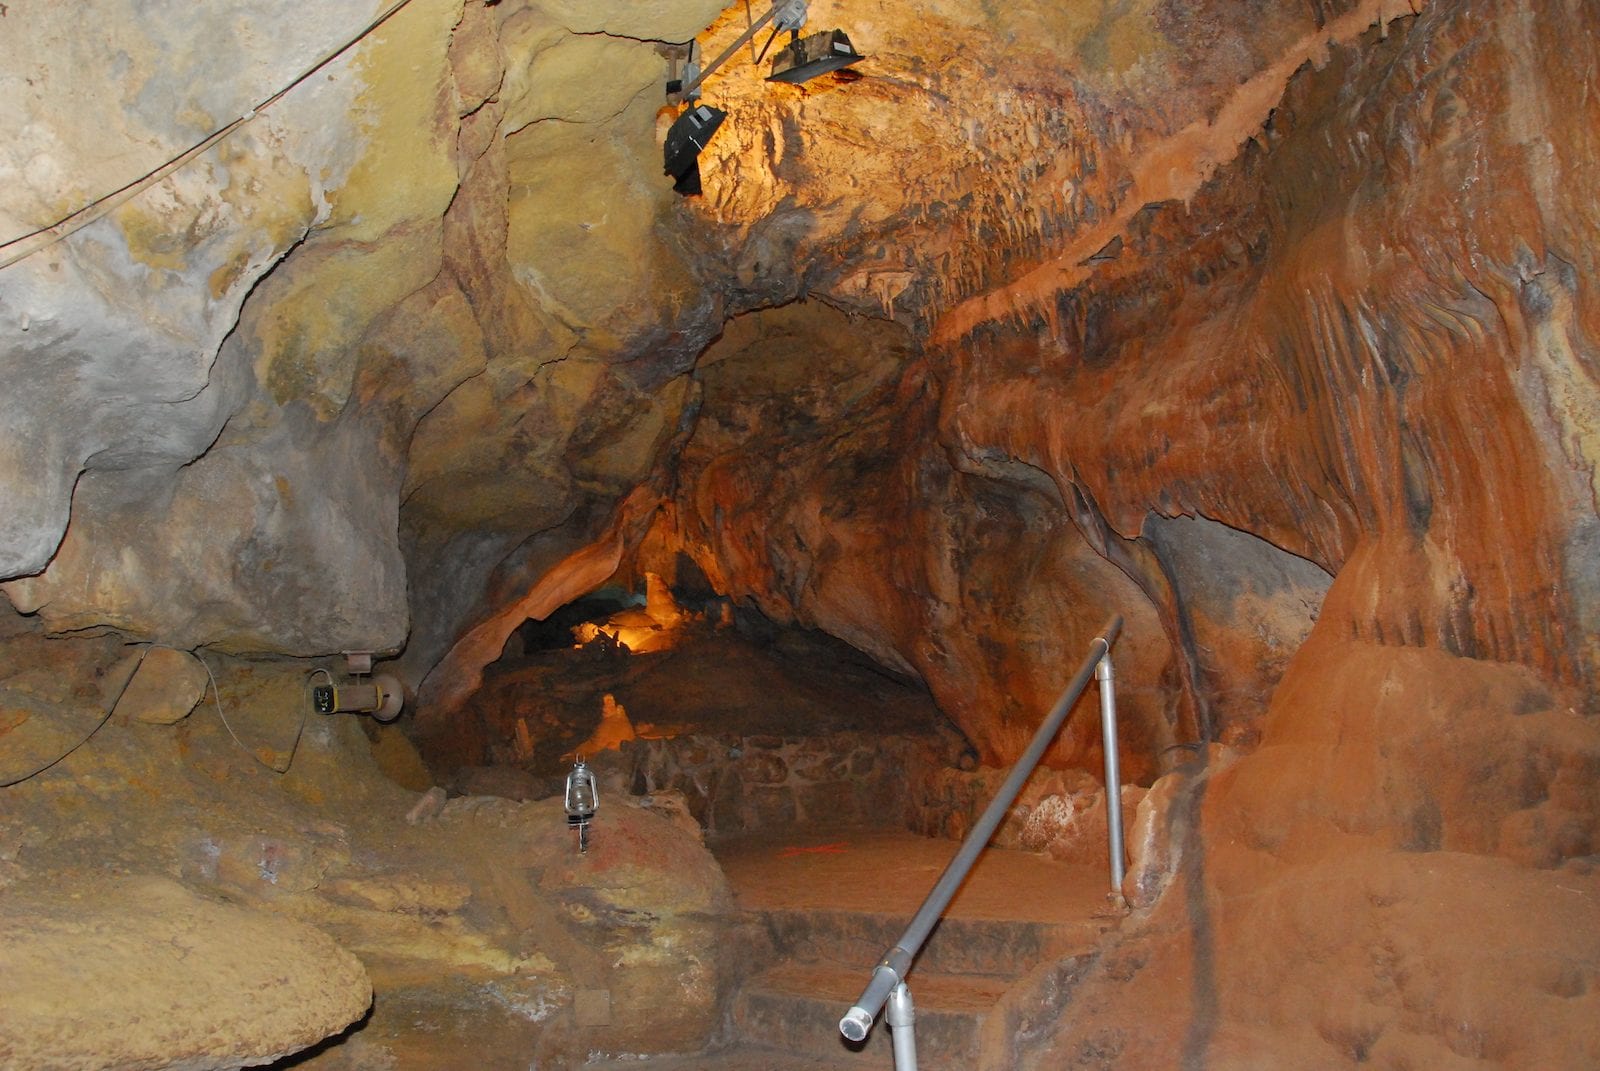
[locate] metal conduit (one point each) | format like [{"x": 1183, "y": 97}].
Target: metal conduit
[{"x": 888, "y": 976}]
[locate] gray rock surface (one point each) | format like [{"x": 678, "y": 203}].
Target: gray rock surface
[{"x": 110, "y": 337}]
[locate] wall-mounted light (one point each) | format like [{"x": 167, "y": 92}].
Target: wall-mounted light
[{"x": 382, "y": 696}]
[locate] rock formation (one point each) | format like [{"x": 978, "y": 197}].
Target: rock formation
[{"x": 1271, "y": 327}]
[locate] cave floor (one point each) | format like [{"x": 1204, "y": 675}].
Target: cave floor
[
  {"x": 817, "y": 907},
  {"x": 879, "y": 870}
]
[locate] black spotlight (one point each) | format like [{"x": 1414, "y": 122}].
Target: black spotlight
[
  {"x": 689, "y": 134},
  {"x": 802, "y": 60}
]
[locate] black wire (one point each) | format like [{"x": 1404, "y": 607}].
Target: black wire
[
  {"x": 97, "y": 727},
  {"x": 216, "y": 695},
  {"x": 773, "y": 37},
  {"x": 87, "y": 214}
]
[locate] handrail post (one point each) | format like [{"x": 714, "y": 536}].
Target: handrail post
[
  {"x": 1104, "y": 674},
  {"x": 902, "y": 1016}
]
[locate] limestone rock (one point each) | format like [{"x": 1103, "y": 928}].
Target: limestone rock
[
  {"x": 1247, "y": 605},
  {"x": 582, "y": 235},
  {"x": 401, "y": 893},
  {"x": 1154, "y": 843},
  {"x": 1075, "y": 829},
  {"x": 850, "y": 509},
  {"x": 170, "y": 412},
  {"x": 641, "y": 916},
  {"x": 219, "y": 986},
  {"x": 1337, "y": 866},
  {"x": 1397, "y": 756},
  {"x": 508, "y": 782},
  {"x": 296, "y": 554},
  {"x": 53, "y": 694},
  {"x": 262, "y": 864},
  {"x": 118, "y": 327},
  {"x": 451, "y": 918},
  {"x": 1176, "y": 310},
  {"x": 667, "y": 20},
  {"x": 649, "y": 892},
  {"x": 399, "y": 760}
]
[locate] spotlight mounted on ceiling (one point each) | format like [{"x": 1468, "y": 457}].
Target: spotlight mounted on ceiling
[
  {"x": 802, "y": 59},
  {"x": 688, "y": 135}
]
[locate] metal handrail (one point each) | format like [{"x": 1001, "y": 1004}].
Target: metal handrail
[{"x": 888, "y": 977}]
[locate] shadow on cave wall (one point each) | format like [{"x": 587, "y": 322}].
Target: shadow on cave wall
[{"x": 1242, "y": 608}]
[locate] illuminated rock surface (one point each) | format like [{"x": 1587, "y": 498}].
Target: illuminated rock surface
[
  {"x": 217, "y": 984},
  {"x": 1272, "y": 328}
]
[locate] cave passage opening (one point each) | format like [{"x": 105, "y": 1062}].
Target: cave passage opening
[{"x": 666, "y": 688}]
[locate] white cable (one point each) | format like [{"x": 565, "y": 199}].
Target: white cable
[
  {"x": 216, "y": 695},
  {"x": 305, "y": 711}
]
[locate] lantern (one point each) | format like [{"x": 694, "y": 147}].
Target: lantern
[{"x": 582, "y": 799}]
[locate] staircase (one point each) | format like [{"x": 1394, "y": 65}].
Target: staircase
[
  {"x": 983, "y": 991},
  {"x": 990, "y": 981}
]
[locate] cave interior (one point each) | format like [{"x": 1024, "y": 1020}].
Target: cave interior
[{"x": 402, "y": 353}]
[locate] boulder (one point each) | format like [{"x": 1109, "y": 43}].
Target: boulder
[
  {"x": 145, "y": 974},
  {"x": 167, "y": 685}
]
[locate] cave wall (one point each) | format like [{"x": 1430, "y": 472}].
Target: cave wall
[
  {"x": 1364, "y": 334},
  {"x": 472, "y": 337},
  {"x": 1383, "y": 343},
  {"x": 1362, "y": 351},
  {"x": 1376, "y": 353},
  {"x": 383, "y": 329},
  {"x": 136, "y": 396},
  {"x": 814, "y": 487},
  {"x": 476, "y": 331}
]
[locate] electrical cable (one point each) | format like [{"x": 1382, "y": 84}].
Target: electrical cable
[
  {"x": 44, "y": 237},
  {"x": 771, "y": 38},
  {"x": 216, "y": 696},
  {"x": 97, "y": 727},
  {"x": 305, "y": 714}
]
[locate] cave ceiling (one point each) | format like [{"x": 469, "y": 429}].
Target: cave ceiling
[{"x": 427, "y": 344}]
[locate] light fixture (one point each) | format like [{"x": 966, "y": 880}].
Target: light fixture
[
  {"x": 382, "y": 696},
  {"x": 685, "y": 140},
  {"x": 582, "y": 800},
  {"x": 806, "y": 57},
  {"x": 802, "y": 59}
]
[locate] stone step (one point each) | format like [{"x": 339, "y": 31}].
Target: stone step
[
  {"x": 796, "y": 1007},
  {"x": 1006, "y": 947},
  {"x": 988, "y": 987}
]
